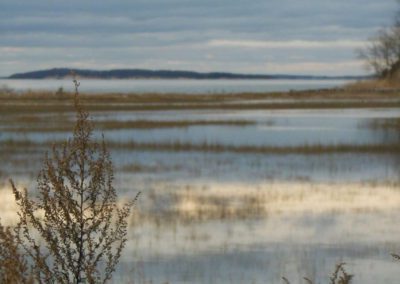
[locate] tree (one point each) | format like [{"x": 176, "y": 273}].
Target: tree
[
  {"x": 73, "y": 231},
  {"x": 382, "y": 54}
]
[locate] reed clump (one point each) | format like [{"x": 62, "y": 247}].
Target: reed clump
[{"x": 339, "y": 276}]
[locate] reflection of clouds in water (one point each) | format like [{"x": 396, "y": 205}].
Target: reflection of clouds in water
[
  {"x": 228, "y": 214},
  {"x": 295, "y": 213},
  {"x": 339, "y": 230},
  {"x": 279, "y": 197},
  {"x": 268, "y": 263},
  {"x": 307, "y": 229},
  {"x": 8, "y": 207},
  {"x": 306, "y": 238},
  {"x": 273, "y": 128}
]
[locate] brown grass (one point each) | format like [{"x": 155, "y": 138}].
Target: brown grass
[
  {"x": 10, "y": 144},
  {"x": 350, "y": 96},
  {"x": 64, "y": 125},
  {"x": 139, "y": 168},
  {"x": 303, "y": 149},
  {"x": 381, "y": 85},
  {"x": 345, "y": 92},
  {"x": 60, "y": 108},
  {"x": 384, "y": 123}
]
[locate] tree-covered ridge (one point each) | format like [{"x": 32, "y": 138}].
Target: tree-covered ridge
[{"x": 157, "y": 74}]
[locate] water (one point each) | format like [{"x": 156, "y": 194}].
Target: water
[
  {"x": 231, "y": 217},
  {"x": 262, "y": 251},
  {"x": 182, "y": 86},
  {"x": 271, "y": 128}
]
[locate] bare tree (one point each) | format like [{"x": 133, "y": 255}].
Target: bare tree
[
  {"x": 382, "y": 53},
  {"x": 73, "y": 229}
]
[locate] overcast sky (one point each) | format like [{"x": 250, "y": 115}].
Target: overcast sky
[{"x": 242, "y": 36}]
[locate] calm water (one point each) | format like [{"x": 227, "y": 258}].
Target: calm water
[
  {"x": 321, "y": 209},
  {"x": 171, "y": 86},
  {"x": 269, "y": 128}
]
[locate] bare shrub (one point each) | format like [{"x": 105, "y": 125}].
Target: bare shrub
[
  {"x": 13, "y": 266},
  {"x": 73, "y": 230}
]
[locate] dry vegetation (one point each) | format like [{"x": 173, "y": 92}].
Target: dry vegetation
[
  {"x": 339, "y": 276},
  {"x": 192, "y": 205},
  {"x": 76, "y": 213},
  {"x": 379, "y": 85},
  {"x": 67, "y": 125},
  {"x": 353, "y": 96},
  {"x": 11, "y": 145},
  {"x": 13, "y": 265},
  {"x": 72, "y": 230}
]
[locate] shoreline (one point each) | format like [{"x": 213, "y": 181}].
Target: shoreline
[{"x": 335, "y": 98}]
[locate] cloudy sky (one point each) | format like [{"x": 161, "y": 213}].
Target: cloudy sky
[{"x": 246, "y": 36}]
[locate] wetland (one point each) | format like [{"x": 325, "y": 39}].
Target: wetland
[{"x": 236, "y": 188}]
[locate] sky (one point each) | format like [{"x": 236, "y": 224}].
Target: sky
[{"x": 316, "y": 37}]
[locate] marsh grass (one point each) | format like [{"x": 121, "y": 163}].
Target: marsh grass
[
  {"x": 382, "y": 85},
  {"x": 383, "y": 124},
  {"x": 350, "y": 97},
  {"x": 103, "y": 107},
  {"x": 140, "y": 168},
  {"x": 12, "y": 144},
  {"x": 66, "y": 125},
  {"x": 360, "y": 89},
  {"x": 219, "y": 148},
  {"x": 339, "y": 276}
]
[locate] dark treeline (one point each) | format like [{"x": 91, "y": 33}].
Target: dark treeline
[{"x": 158, "y": 74}]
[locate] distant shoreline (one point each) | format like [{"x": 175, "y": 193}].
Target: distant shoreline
[{"x": 140, "y": 74}]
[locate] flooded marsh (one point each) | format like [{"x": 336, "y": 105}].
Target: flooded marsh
[{"x": 234, "y": 191}]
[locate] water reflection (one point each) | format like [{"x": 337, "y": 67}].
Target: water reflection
[
  {"x": 270, "y": 128},
  {"x": 262, "y": 251},
  {"x": 234, "y": 217}
]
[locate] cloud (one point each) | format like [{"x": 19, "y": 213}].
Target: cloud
[
  {"x": 300, "y": 44},
  {"x": 223, "y": 35},
  {"x": 333, "y": 68}
]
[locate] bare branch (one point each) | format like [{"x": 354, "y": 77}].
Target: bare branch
[{"x": 75, "y": 213}]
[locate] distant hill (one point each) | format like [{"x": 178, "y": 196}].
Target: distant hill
[{"x": 60, "y": 73}]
